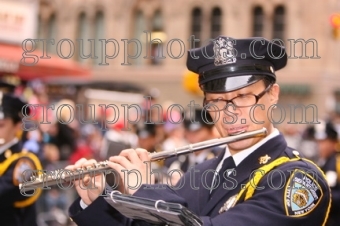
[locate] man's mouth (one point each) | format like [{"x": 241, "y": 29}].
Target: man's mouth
[{"x": 236, "y": 130}]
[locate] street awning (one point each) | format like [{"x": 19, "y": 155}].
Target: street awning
[{"x": 11, "y": 55}]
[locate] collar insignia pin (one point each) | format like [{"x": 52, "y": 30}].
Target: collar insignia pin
[
  {"x": 264, "y": 159},
  {"x": 8, "y": 154}
]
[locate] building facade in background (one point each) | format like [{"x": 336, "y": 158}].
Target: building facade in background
[{"x": 128, "y": 26}]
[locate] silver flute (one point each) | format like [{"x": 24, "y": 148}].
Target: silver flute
[{"x": 61, "y": 176}]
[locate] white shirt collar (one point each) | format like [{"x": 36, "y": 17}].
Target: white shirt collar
[
  {"x": 4, "y": 147},
  {"x": 240, "y": 156}
]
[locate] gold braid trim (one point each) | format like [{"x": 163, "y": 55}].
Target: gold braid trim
[{"x": 249, "y": 188}]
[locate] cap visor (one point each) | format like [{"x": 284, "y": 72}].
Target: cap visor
[{"x": 230, "y": 83}]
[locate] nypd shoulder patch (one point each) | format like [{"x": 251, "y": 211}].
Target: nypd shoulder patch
[
  {"x": 302, "y": 194},
  {"x": 21, "y": 166}
]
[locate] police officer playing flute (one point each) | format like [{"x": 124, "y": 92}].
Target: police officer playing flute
[{"x": 258, "y": 181}]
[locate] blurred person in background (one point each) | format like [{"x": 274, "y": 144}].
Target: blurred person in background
[
  {"x": 6, "y": 87},
  {"x": 16, "y": 208},
  {"x": 88, "y": 144},
  {"x": 198, "y": 128},
  {"x": 53, "y": 201},
  {"x": 174, "y": 133},
  {"x": 31, "y": 139},
  {"x": 300, "y": 139},
  {"x": 63, "y": 133},
  {"x": 326, "y": 138},
  {"x": 116, "y": 139},
  {"x": 147, "y": 140},
  {"x": 292, "y": 135},
  {"x": 38, "y": 96},
  {"x": 154, "y": 113},
  {"x": 308, "y": 146},
  {"x": 33, "y": 142}
]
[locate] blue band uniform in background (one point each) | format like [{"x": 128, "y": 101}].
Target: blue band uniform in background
[{"x": 16, "y": 209}]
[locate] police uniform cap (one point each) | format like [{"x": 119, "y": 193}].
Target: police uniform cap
[
  {"x": 6, "y": 87},
  {"x": 146, "y": 130},
  {"x": 11, "y": 107},
  {"x": 200, "y": 119},
  {"x": 322, "y": 131},
  {"x": 228, "y": 64}
]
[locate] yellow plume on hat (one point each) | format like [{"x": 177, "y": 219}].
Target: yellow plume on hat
[{"x": 190, "y": 83}]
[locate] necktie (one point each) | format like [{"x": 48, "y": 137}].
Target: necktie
[{"x": 228, "y": 163}]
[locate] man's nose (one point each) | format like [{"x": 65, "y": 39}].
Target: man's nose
[
  {"x": 231, "y": 107},
  {"x": 231, "y": 112}
]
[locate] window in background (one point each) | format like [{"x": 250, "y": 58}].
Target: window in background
[
  {"x": 99, "y": 34},
  {"x": 258, "y": 21},
  {"x": 216, "y": 22},
  {"x": 40, "y": 31},
  {"x": 196, "y": 25},
  {"x": 82, "y": 45},
  {"x": 133, "y": 50},
  {"x": 279, "y": 23},
  {"x": 158, "y": 36},
  {"x": 52, "y": 34}
]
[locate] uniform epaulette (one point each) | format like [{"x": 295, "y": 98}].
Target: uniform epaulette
[
  {"x": 337, "y": 165},
  {"x": 13, "y": 157}
]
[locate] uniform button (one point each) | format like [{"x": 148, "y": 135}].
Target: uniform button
[{"x": 296, "y": 153}]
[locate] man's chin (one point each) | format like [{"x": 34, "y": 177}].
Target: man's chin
[{"x": 242, "y": 144}]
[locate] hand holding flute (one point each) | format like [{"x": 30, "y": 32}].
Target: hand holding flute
[
  {"x": 92, "y": 186},
  {"x": 88, "y": 175}
]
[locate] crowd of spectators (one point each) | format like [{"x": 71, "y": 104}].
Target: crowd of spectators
[{"x": 59, "y": 145}]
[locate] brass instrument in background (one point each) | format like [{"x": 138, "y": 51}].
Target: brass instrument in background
[{"x": 61, "y": 176}]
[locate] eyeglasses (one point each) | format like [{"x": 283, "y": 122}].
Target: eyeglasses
[{"x": 240, "y": 101}]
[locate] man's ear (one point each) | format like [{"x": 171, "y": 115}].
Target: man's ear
[{"x": 274, "y": 93}]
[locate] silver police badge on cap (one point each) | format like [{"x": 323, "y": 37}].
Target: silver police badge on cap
[{"x": 224, "y": 51}]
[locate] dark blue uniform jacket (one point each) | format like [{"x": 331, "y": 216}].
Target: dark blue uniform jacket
[
  {"x": 15, "y": 208},
  {"x": 282, "y": 202}
]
